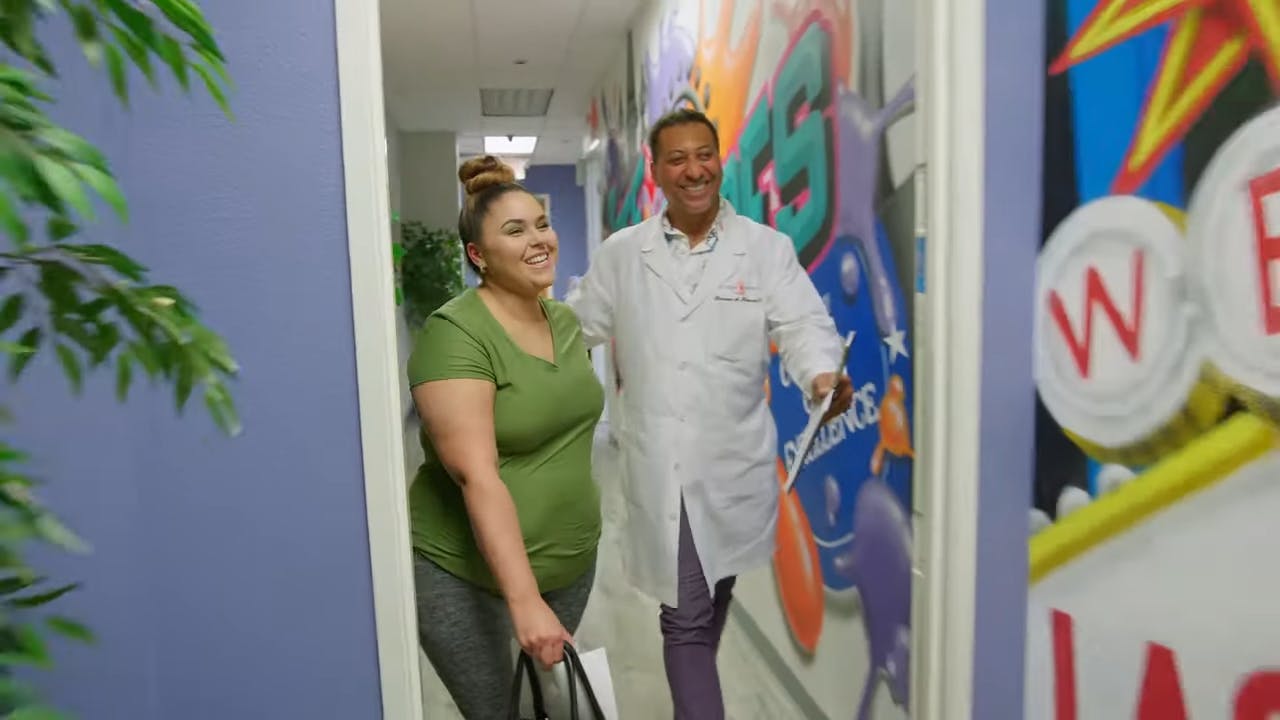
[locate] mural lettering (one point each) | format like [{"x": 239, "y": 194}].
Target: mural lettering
[
  {"x": 1264, "y": 200},
  {"x": 1160, "y": 694},
  {"x": 780, "y": 170},
  {"x": 1096, "y": 295}
]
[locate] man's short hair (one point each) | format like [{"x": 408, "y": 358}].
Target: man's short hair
[{"x": 676, "y": 118}]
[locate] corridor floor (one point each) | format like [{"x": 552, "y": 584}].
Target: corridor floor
[{"x": 625, "y": 623}]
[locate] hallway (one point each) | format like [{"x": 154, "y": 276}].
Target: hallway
[{"x": 625, "y": 623}]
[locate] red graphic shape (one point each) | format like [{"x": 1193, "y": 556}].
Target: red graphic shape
[
  {"x": 1259, "y": 696},
  {"x": 1268, "y": 245},
  {"x": 797, "y": 572},
  {"x": 1096, "y": 293},
  {"x": 1064, "y": 667},
  {"x": 1161, "y": 697}
]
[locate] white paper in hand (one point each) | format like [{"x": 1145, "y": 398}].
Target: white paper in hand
[{"x": 815, "y": 422}]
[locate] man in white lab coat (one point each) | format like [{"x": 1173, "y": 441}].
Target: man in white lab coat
[{"x": 692, "y": 298}]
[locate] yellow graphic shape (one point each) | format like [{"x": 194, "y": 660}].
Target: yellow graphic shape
[
  {"x": 1114, "y": 21},
  {"x": 1214, "y": 457},
  {"x": 1210, "y": 43},
  {"x": 722, "y": 71}
]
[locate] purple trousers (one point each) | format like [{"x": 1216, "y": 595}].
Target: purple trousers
[{"x": 691, "y": 635}]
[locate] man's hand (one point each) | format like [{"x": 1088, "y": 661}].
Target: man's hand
[{"x": 839, "y": 384}]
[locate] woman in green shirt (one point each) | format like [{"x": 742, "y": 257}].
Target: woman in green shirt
[{"x": 504, "y": 512}]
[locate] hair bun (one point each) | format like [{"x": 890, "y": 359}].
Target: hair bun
[{"x": 478, "y": 174}]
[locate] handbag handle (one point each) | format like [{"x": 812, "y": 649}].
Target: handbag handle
[
  {"x": 573, "y": 665},
  {"x": 524, "y": 667},
  {"x": 575, "y": 672}
]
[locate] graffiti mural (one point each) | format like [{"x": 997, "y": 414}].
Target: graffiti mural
[
  {"x": 1157, "y": 360},
  {"x": 796, "y": 92}
]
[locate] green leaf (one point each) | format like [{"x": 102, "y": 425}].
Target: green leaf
[
  {"x": 218, "y": 401},
  {"x": 11, "y": 311},
  {"x": 75, "y": 147},
  {"x": 186, "y": 16},
  {"x": 113, "y": 258},
  {"x": 35, "y": 712},
  {"x": 15, "y": 694},
  {"x": 136, "y": 51},
  {"x": 64, "y": 184},
  {"x": 70, "y": 628},
  {"x": 11, "y": 221},
  {"x": 86, "y": 27},
  {"x": 16, "y": 583},
  {"x": 70, "y": 366},
  {"x": 184, "y": 383},
  {"x": 106, "y": 186},
  {"x": 118, "y": 73},
  {"x": 146, "y": 357},
  {"x": 52, "y": 530},
  {"x": 135, "y": 20},
  {"x": 42, "y": 598},
  {"x": 18, "y": 363},
  {"x": 12, "y": 348},
  {"x": 60, "y": 228},
  {"x": 32, "y": 644},
  {"x": 170, "y": 51},
  {"x": 214, "y": 88},
  {"x": 124, "y": 376}
]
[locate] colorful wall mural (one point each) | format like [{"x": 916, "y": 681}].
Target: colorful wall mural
[
  {"x": 1157, "y": 363},
  {"x": 813, "y": 100}
]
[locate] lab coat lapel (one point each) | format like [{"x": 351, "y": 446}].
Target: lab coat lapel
[{"x": 657, "y": 258}]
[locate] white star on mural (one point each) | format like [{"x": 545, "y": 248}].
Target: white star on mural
[{"x": 897, "y": 342}]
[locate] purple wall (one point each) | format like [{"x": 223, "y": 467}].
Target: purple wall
[
  {"x": 568, "y": 215},
  {"x": 230, "y": 577},
  {"x": 1014, "y": 122}
]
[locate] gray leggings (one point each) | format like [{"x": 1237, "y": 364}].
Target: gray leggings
[{"x": 466, "y": 634}]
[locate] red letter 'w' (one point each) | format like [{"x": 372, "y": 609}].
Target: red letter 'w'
[
  {"x": 1268, "y": 245},
  {"x": 1095, "y": 293}
]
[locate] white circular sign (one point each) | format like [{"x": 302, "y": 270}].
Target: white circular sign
[
  {"x": 1114, "y": 357},
  {"x": 1234, "y": 232}
]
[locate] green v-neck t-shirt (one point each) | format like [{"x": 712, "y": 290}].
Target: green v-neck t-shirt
[{"x": 544, "y": 417}]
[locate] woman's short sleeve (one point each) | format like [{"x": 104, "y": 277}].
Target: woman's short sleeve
[{"x": 442, "y": 350}]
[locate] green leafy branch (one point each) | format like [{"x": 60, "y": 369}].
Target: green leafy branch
[
  {"x": 90, "y": 305},
  {"x": 118, "y": 33}
]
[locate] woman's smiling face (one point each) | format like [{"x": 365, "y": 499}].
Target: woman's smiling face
[{"x": 518, "y": 247}]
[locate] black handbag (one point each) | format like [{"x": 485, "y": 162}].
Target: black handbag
[{"x": 575, "y": 673}]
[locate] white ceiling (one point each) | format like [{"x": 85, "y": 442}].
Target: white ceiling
[{"x": 437, "y": 54}]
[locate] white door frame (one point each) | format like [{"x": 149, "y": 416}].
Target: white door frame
[
  {"x": 949, "y": 341},
  {"x": 952, "y": 105},
  {"x": 364, "y": 155}
]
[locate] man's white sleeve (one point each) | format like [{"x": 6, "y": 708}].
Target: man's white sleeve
[
  {"x": 798, "y": 320},
  {"x": 592, "y": 301}
]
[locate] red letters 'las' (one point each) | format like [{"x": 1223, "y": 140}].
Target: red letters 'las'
[
  {"x": 1264, "y": 190},
  {"x": 1096, "y": 294}
]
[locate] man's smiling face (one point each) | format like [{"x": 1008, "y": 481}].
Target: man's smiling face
[{"x": 687, "y": 168}]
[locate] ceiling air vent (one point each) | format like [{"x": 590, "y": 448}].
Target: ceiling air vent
[{"x": 522, "y": 102}]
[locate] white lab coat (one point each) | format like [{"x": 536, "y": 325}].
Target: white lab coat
[{"x": 694, "y": 416}]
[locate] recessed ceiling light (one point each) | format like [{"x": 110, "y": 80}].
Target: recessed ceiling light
[{"x": 510, "y": 145}]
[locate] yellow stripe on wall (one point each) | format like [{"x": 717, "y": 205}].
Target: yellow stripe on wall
[{"x": 1240, "y": 440}]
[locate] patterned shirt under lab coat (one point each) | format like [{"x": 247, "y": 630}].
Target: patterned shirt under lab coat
[{"x": 695, "y": 422}]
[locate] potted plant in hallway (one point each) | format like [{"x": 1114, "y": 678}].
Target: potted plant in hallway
[
  {"x": 430, "y": 270},
  {"x": 88, "y": 305}
]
